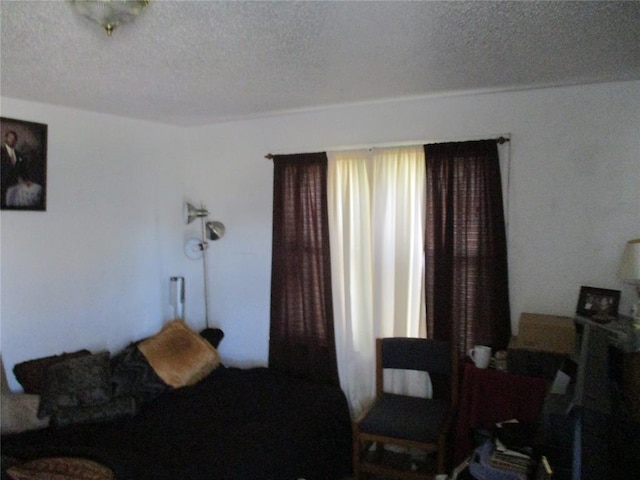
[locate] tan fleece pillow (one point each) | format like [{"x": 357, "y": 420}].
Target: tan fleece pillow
[
  {"x": 61, "y": 468},
  {"x": 178, "y": 355}
]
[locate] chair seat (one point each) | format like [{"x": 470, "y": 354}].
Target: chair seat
[{"x": 421, "y": 418}]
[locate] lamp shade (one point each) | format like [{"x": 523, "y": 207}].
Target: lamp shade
[
  {"x": 192, "y": 212},
  {"x": 629, "y": 270},
  {"x": 215, "y": 230}
]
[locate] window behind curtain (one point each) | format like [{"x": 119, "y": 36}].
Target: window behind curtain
[
  {"x": 301, "y": 339},
  {"x": 467, "y": 290},
  {"x": 376, "y": 211}
]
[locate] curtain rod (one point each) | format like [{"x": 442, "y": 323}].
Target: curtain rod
[{"x": 500, "y": 140}]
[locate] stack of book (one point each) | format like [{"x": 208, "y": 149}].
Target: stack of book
[
  {"x": 507, "y": 457},
  {"x": 512, "y": 460}
]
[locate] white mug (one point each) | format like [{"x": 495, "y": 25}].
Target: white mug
[{"x": 481, "y": 355}]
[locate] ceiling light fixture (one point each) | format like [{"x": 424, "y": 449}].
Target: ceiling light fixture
[{"x": 109, "y": 13}]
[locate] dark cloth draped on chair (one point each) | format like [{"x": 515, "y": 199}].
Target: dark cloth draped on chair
[
  {"x": 467, "y": 291},
  {"x": 302, "y": 339}
]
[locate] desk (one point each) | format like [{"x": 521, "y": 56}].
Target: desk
[{"x": 488, "y": 396}]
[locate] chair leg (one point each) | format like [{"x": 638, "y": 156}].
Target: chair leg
[
  {"x": 442, "y": 455},
  {"x": 356, "y": 452},
  {"x": 356, "y": 460}
]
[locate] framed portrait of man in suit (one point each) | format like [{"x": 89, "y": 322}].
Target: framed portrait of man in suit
[{"x": 23, "y": 168}]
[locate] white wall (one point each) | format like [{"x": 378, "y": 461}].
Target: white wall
[
  {"x": 93, "y": 270},
  {"x": 574, "y": 194}
]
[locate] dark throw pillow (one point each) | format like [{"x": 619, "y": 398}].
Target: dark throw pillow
[
  {"x": 31, "y": 374},
  {"x": 212, "y": 335},
  {"x": 104, "y": 412},
  {"x": 78, "y": 381},
  {"x": 131, "y": 375}
]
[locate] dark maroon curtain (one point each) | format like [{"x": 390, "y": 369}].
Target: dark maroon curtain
[
  {"x": 301, "y": 335},
  {"x": 467, "y": 290}
]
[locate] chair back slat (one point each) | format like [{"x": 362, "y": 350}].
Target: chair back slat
[{"x": 426, "y": 355}]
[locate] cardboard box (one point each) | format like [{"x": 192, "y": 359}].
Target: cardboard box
[
  {"x": 545, "y": 333},
  {"x": 543, "y": 344}
]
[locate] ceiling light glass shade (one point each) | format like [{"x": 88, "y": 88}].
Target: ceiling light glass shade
[{"x": 110, "y": 13}]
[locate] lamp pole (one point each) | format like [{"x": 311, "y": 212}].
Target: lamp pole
[{"x": 204, "y": 245}]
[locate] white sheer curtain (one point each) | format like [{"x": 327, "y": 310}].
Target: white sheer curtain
[{"x": 376, "y": 218}]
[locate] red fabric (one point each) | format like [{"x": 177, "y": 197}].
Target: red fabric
[
  {"x": 466, "y": 274},
  {"x": 488, "y": 396},
  {"x": 301, "y": 340}
]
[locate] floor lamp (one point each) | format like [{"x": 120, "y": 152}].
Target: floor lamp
[{"x": 197, "y": 248}]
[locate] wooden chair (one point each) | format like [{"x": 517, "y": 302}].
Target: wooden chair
[{"x": 409, "y": 422}]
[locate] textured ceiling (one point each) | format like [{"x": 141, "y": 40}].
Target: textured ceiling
[{"x": 199, "y": 62}]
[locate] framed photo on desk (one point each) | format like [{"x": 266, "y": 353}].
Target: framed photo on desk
[{"x": 598, "y": 304}]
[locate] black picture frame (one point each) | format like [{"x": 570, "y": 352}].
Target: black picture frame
[
  {"x": 23, "y": 176},
  {"x": 599, "y": 304}
]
